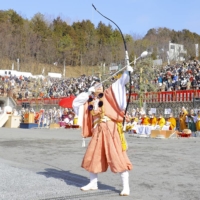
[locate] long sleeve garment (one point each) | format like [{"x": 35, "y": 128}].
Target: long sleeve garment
[
  {"x": 182, "y": 120},
  {"x": 172, "y": 121},
  {"x": 161, "y": 122},
  {"x": 101, "y": 124},
  {"x": 153, "y": 121},
  {"x": 198, "y": 123}
]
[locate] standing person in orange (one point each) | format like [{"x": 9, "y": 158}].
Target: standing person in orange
[
  {"x": 182, "y": 119},
  {"x": 100, "y": 115}
]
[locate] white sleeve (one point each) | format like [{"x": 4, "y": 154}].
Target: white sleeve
[
  {"x": 78, "y": 106},
  {"x": 79, "y": 101},
  {"x": 119, "y": 90}
]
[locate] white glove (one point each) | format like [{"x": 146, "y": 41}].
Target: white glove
[
  {"x": 129, "y": 69},
  {"x": 91, "y": 90}
]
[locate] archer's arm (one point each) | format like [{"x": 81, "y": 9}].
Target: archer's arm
[
  {"x": 78, "y": 106},
  {"x": 79, "y": 101},
  {"x": 119, "y": 90}
]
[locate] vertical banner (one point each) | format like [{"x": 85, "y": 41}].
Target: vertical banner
[
  {"x": 197, "y": 50},
  {"x": 167, "y": 111},
  {"x": 153, "y": 110}
]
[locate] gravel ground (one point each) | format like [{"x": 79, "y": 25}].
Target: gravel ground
[{"x": 39, "y": 164}]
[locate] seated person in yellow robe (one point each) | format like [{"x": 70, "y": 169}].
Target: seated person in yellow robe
[
  {"x": 161, "y": 121},
  {"x": 129, "y": 125},
  {"x": 152, "y": 120},
  {"x": 172, "y": 121},
  {"x": 144, "y": 119}
]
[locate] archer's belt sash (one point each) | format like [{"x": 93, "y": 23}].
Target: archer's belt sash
[{"x": 99, "y": 120}]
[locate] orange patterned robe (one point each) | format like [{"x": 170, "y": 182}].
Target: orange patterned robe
[{"x": 104, "y": 149}]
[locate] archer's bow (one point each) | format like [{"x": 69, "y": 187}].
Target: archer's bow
[{"x": 127, "y": 64}]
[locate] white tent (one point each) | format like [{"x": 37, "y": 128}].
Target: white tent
[
  {"x": 38, "y": 76},
  {"x": 55, "y": 75}
]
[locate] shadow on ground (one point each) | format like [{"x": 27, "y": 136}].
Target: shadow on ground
[{"x": 74, "y": 179}]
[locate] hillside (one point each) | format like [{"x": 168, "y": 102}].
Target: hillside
[{"x": 35, "y": 69}]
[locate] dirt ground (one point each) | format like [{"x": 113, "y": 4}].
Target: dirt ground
[{"x": 38, "y": 164}]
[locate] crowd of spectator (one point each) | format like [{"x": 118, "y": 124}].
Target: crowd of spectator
[
  {"x": 180, "y": 76},
  {"x": 27, "y": 87},
  {"x": 184, "y": 76}
]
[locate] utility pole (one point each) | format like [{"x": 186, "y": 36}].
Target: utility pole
[
  {"x": 141, "y": 70},
  {"x": 18, "y": 64},
  {"x": 64, "y": 69}
]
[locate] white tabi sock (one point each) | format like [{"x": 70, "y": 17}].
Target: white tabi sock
[{"x": 93, "y": 183}]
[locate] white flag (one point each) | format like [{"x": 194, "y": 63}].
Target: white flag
[
  {"x": 197, "y": 50},
  {"x": 167, "y": 111}
]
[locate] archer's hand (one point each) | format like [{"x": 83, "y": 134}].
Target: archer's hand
[
  {"x": 127, "y": 118},
  {"x": 129, "y": 69},
  {"x": 91, "y": 90}
]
